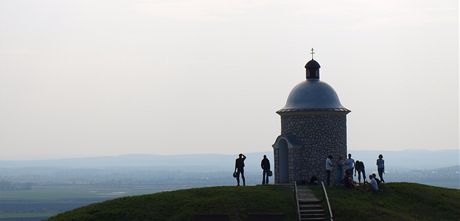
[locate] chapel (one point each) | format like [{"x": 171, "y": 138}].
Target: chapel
[{"x": 313, "y": 126}]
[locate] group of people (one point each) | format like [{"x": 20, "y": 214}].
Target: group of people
[
  {"x": 239, "y": 169},
  {"x": 346, "y": 168}
]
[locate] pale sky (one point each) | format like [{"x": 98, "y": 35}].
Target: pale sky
[{"x": 110, "y": 77}]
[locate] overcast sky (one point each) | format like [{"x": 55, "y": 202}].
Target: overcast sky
[{"x": 109, "y": 77}]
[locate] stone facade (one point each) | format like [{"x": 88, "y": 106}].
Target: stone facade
[{"x": 311, "y": 137}]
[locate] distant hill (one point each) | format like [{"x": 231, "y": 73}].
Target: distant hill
[
  {"x": 407, "y": 159},
  {"x": 399, "y": 201},
  {"x": 167, "y": 172}
]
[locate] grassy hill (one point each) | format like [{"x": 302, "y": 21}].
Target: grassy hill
[
  {"x": 181, "y": 205},
  {"x": 399, "y": 201}
]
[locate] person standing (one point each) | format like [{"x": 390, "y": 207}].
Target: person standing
[
  {"x": 350, "y": 165},
  {"x": 265, "y": 164},
  {"x": 239, "y": 169},
  {"x": 328, "y": 169},
  {"x": 359, "y": 169},
  {"x": 381, "y": 167},
  {"x": 340, "y": 170}
]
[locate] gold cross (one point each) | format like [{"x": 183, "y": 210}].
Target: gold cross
[{"x": 312, "y": 52}]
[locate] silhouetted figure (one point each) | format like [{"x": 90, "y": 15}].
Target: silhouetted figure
[
  {"x": 376, "y": 179},
  {"x": 265, "y": 164},
  {"x": 381, "y": 167},
  {"x": 239, "y": 169},
  {"x": 350, "y": 165},
  {"x": 313, "y": 180},
  {"x": 348, "y": 180},
  {"x": 328, "y": 169},
  {"x": 373, "y": 183},
  {"x": 359, "y": 169},
  {"x": 340, "y": 164}
]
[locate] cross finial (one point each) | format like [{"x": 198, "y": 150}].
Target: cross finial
[{"x": 312, "y": 52}]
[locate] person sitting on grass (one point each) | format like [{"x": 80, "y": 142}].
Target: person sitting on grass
[
  {"x": 374, "y": 186},
  {"x": 376, "y": 179},
  {"x": 313, "y": 180},
  {"x": 348, "y": 180},
  {"x": 379, "y": 182}
]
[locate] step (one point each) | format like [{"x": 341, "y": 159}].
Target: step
[
  {"x": 307, "y": 206},
  {"x": 306, "y": 194},
  {"x": 312, "y": 211},
  {"x": 313, "y": 215},
  {"x": 313, "y": 219},
  {"x": 303, "y": 190},
  {"x": 310, "y": 207},
  {"x": 309, "y": 201},
  {"x": 307, "y": 198}
]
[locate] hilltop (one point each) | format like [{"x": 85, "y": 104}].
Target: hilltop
[
  {"x": 400, "y": 201},
  {"x": 180, "y": 205}
]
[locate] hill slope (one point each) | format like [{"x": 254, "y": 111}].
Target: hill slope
[
  {"x": 181, "y": 205},
  {"x": 399, "y": 201}
]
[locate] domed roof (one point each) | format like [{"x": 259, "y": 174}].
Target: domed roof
[{"x": 313, "y": 94}]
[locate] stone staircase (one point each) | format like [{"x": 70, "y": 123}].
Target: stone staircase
[{"x": 310, "y": 207}]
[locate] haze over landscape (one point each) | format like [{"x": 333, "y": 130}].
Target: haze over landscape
[{"x": 98, "y": 78}]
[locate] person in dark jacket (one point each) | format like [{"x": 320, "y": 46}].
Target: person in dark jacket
[
  {"x": 239, "y": 169},
  {"x": 381, "y": 167},
  {"x": 360, "y": 170},
  {"x": 265, "y": 164}
]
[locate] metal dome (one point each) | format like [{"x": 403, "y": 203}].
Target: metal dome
[{"x": 313, "y": 95}]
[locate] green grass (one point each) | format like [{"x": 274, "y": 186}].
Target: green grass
[
  {"x": 181, "y": 205},
  {"x": 399, "y": 201}
]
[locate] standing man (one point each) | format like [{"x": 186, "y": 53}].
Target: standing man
[
  {"x": 328, "y": 169},
  {"x": 239, "y": 169},
  {"x": 265, "y": 164},
  {"x": 350, "y": 164},
  {"x": 381, "y": 167}
]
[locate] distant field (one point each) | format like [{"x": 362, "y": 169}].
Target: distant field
[{"x": 44, "y": 201}]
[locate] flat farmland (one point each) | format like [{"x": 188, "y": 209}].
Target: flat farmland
[{"x": 41, "y": 202}]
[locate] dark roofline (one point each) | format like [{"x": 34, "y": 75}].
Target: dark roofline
[{"x": 313, "y": 110}]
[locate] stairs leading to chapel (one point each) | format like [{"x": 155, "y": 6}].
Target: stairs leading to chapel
[{"x": 310, "y": 207}]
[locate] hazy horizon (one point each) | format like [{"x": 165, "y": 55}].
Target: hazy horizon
[
  {"x": 235, "y": 155},
  {"x": 98, "y": 78}
]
